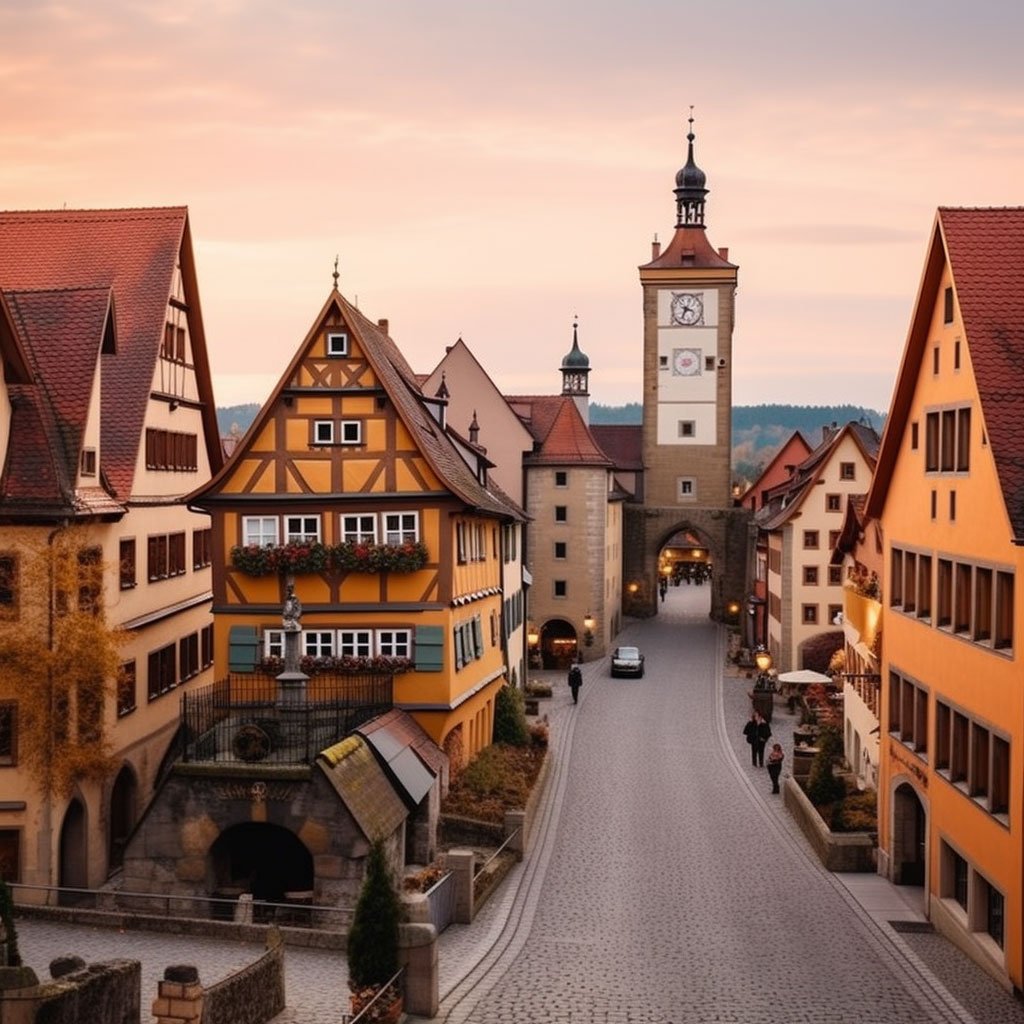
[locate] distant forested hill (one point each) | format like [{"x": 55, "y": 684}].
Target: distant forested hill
[
  {"x": 242, "y": 415},
  {"x": 757, "y": 430}
]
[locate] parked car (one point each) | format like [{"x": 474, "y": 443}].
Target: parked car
[{"x": 627, "y": 661}]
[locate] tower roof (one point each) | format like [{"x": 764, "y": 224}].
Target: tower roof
[
  {"x": 576, "y": 359},
  {"x": 690, "y": 190}
]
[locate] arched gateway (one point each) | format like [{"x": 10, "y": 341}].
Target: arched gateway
[{"x": 725, "y": 543}]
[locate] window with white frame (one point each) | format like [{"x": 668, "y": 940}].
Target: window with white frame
[
  {"x": 273, "y": 643},
  {"x": 393, "y": 643},
  {"x": 400, "y": 527},
  {"x": 259, "y": 530},
  {"x": 687, "y": 487},
  {"x": 337, "y": 343},
  {"x": 355, "y": 643},
  {"x": 351, "y": 432},
  {"x": 359, "y": 529},
  {"x": 302, "y": 529},
  {"x": 318, "y": 643},
  {"x": 323, "y": 432}
]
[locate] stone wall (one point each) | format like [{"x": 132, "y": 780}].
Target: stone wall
[
  {"x": 251, "y": 995},
  {"x": 107, "y": 992}
]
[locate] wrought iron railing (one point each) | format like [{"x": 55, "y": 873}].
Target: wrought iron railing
[
  {"x": 296, "y": 913},
  {"x": 252, "y": 718}
]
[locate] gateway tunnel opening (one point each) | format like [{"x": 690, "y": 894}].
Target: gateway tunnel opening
[{"x": 685, "y": 562}]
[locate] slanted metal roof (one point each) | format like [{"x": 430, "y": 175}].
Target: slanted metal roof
[
  {"x": 357, "y": 777},
  {"x": 397, "y": 740}
]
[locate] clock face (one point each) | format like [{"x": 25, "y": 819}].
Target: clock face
[
  {"x": 686, "y": 362},
  {"x": 687, "y": 309}
]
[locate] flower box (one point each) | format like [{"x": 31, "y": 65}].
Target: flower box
[{"x": 299, "y": 559}]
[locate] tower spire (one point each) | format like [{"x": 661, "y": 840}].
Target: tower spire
[{"x": 690, "y": 190}]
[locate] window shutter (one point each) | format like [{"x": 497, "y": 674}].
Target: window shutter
[
  {"x": 429, "y": 649},
  {"x": 478, "y": 636},
  {"x": 243, "y": 649}
]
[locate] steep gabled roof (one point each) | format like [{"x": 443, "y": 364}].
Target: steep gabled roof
[
  {"x": 689, "y": 248},
  {"x": 560, "y": 435},
  {"x": 985, "y": 252},
  {"x": 133, "y": 253},
  {"x": 784, "y": 501},
  {"x": 777, "y": 463},
  {"x": 50, "y": 415},
  {"x": 400, "y": 383}
]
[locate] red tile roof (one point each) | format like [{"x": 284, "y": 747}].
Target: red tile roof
[
  {"x": 49, "y": 416},
  {"x": 622, "y": 443},
  {"x": 689, "y": 248},
  {"x": 561, "y": 437},
  {"x": 986, "y": 254},
  {"x": 131, "y": 252}
]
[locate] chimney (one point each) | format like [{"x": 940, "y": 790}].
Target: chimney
[
  {"x": 383, "y": 324},
  {"x": 829, "y": 431},
  {"x": 724, "y": 253},
  {"x": 655, "y": 248}
]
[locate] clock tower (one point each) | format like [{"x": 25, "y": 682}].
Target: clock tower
[{"x": 688, "y": 302}]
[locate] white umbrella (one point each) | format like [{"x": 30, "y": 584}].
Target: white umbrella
[{"x": 804, "y": 677}]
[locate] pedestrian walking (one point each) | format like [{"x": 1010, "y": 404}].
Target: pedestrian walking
[
  {"x": 575, "y": 682},
  {"x": 775, "y": 758},
  {"x": 757, "y": 731}
]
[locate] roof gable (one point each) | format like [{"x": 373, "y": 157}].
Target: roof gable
[
  {"x": 984, "y": 249},
  {"x": 560, "y": 435},
  {"x": 372, "y": 363},
  {"x": 134, "y": 253},
  {"x": 63, "y": 333}
]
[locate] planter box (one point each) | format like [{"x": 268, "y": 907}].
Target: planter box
[{"x": 837, "y": 851}]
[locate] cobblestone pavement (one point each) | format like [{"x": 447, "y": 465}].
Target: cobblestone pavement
[
  {"x": 316, "y": 981},
  {"x": 667, "y": 885}
]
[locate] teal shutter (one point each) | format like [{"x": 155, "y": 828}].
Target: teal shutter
[
  {"x": 429, "y": 651},
  {"x": 243, "y": 649},
  {"x": 478, "y": 636}
]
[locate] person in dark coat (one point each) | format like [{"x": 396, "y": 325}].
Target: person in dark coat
[
  {"x": 757, "y": 731},
  {"x": 575, "y": 682},
  {"x": 775, "y": 758}
]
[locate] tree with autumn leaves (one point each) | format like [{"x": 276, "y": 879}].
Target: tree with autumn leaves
[{"x": 59, "y": 659}]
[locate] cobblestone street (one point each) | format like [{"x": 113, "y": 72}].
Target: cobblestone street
[{"x": 675, "y": 888}]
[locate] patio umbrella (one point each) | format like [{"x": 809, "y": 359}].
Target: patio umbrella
[{"x": 804, "y": 677}]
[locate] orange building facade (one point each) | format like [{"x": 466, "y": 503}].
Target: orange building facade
[
  {"x": 392, "y": 535},
  {"x": 949, "y": 497}
]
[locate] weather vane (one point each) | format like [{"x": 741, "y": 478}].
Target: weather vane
[{"x": 335, "y": 275}]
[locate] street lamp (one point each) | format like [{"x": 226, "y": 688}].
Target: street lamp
[
  {"x": 763, "y": 697},
  {"x": 588, "y": 629}
]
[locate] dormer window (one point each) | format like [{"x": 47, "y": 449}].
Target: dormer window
[
  {"x": 337, "y": 343},
  {"x": 88, "y": 462}
]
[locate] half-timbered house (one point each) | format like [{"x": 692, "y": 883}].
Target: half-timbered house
[{"x": 351, "y": 487}]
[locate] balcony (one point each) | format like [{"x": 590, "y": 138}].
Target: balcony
[{"x": 250, "y": 718}]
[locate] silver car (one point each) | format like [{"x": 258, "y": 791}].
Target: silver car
[{"x": 627, "y": 661}]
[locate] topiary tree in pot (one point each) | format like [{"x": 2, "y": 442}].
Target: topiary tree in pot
[{"x": 373, "y": 937}]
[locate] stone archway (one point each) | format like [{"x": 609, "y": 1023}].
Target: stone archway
[
  {"x": 909, "y": 836},
  {"x": 123, "y": 815},
  {"x": 269, "y": 861},
  {"x": 726, "y": 542},
  {"x": 73, "y": 863},
  {"x": 559, "y": 645}
]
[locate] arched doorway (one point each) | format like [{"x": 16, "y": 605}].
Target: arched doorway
[
  {"x": 559, "y": 645},
  {"x": 73, "y": 866},
  {"x": 909, "y": 835},
  {"x": 123, "y": 809},
  {"x": 685, "y": 563},
  {"x": 269, "y": 861}
]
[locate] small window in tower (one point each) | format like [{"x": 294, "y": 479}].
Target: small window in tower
[
  {"x": 947, "y": 306},
  {"x": 709, "y": 362},
  {"x": 561, "y": 478},
  {"x": 687, "y": 428},
  {"x": 687, "y": 488},
  {"x": 663, "y": 362}
]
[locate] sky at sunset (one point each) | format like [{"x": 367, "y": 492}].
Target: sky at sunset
[{"x": 490, "y": 170}]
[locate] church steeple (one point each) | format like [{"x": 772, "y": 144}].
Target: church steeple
[
  {"x": 575, "y": 367},
  {"x": 690, "y": 190}
]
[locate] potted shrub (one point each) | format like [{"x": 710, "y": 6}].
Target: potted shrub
[{"x": 373, "y": 940}]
